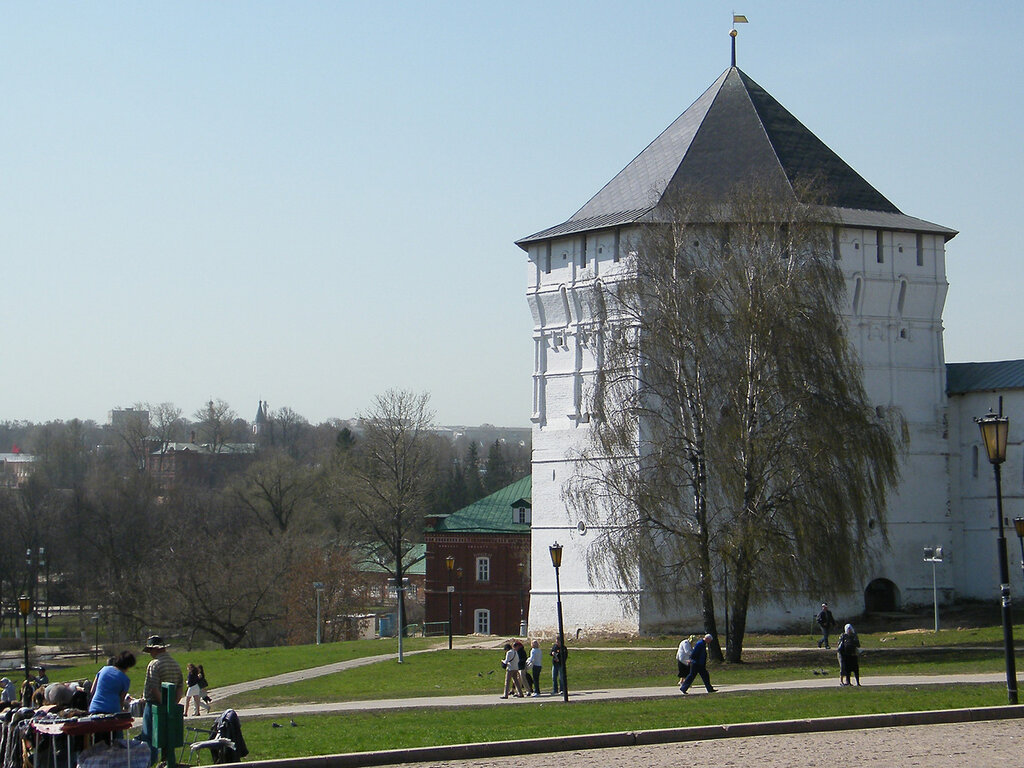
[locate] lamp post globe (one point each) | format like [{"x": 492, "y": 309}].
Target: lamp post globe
[{"x": 995, "y": 429}]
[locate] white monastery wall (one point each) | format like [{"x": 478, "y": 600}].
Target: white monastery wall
[{"x": 973, "y": 558}]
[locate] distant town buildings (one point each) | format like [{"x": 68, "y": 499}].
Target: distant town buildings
[
  {"x": 15, "y": 468},
  {"x": 172, "y": 464}
]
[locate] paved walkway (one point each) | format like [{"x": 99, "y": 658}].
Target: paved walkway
[
  {"x": 477, "y": 700},
  {"x": 999, "y": 743}
]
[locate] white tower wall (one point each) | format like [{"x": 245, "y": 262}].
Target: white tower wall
[{"x": 896, "y": 291}]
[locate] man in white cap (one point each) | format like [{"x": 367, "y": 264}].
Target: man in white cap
[{"x": 162, "y": 669}]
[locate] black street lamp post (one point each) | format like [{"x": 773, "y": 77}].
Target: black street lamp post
[
  {"x": 45, "y": 564},
  {"x": 25, "y": 607},
  {"x": 520, "y": 570},
  {"x": 318, "y": 587},
  {"x": 994, "y": 431},
  {"x": 95, "y": 619},
  {"x": 449, "y": 565},
  {"x": 458, "y": 578},
  {"x": 556, "y": 560}
]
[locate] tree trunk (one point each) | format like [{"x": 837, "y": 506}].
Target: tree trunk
[
  {"x": 738, "y": 615},
  {"x": 707, "y": 599}
]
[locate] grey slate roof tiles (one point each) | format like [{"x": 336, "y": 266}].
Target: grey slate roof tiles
[{"x": 734, "y": 133}]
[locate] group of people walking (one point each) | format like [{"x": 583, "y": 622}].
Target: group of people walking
[
  {"x": 522, "y": 667},
  {"x": 692, "y": 655},
  {"x": 692, "y": 660}
]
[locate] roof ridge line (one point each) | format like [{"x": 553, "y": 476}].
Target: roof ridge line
[{"x": 744, "y": 77}]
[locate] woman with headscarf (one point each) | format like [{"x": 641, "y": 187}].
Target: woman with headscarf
[{"x": 848, "y": 651}]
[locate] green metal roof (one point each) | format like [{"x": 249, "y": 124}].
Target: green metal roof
[
  {"x": 983, "y": 377},
  {"x": 492, "y": 514}
]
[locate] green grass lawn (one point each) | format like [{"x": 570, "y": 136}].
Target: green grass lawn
[
  {"x": 644, "y": 662},
  {"x": 225, "y": 667},
  {"x": 478, "y": 672},
  {"x": 362, "y": 731}
]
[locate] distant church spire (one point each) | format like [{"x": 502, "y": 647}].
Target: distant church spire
[
  {"x": 260, "y": 422},
  {"x": 737, "y": 18}
]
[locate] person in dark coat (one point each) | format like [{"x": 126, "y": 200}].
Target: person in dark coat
[
  {"x": 848, "y": 650},
  {"x": 699, "y": 665},
  {"x": 558, "y": 654},
  {"x": 826, "y": 621}
]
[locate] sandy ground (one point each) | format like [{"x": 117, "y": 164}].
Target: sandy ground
[{"x": 995, "y": 744}]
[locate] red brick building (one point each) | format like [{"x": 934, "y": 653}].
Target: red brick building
[
  {"x": 173, "y": 464},
  {"x": 489, "y": 543}
]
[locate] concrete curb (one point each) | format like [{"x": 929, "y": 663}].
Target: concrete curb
[{"x": 644, "y": 738}]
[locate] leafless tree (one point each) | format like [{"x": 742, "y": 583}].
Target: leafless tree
[
  {"x": 381, "y": 485},
  {"x": 277, "y": 490},
  {"x": 165, "y": 422},
  {"x": 215, "y": 421}
]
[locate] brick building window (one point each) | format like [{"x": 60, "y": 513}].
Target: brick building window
[
  {"x": 482, "y": 621},
  {"x": 483, "y": 571}
]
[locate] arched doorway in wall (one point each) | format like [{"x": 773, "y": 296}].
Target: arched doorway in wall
[{"x": 881, "y": 596}]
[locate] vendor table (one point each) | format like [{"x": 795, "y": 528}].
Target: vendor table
[{"x": 85, "y": 726}]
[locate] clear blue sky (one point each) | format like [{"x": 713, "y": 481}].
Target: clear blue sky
[{"x": 311, "y": 202}]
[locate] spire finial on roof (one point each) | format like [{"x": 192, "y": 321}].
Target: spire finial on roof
[{"x": 737, "y": 18}]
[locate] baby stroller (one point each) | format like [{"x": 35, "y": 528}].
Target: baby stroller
[{"x": 225, "y": 741}]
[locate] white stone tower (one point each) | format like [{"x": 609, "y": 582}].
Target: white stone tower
[{"x": 895, "y": 271}]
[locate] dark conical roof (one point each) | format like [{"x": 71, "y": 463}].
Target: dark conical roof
[{"x": 733, "y": 133}]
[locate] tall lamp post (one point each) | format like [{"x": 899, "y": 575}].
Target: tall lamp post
[
  {"x": 994, "y": 432},
  {"x": 95, "y": 619},
  {"x": 458, "y": 579},
  {"x": 45, "y": 564},
  {"x": 933, "y": 555},
  {"x": 25, "y": 607},
  {"x": 318, "y": 587},
  {"x": 556, "y": 561},
  {"x": 33, "y": 575},
  {"x": 520, "y": 569},
  {"x": 449, "y": 566}
]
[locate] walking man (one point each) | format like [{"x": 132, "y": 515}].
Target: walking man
[
  {"x": 699, "y": 665},
  {"x": 826, "y": 621},
  {"x": 557, "y": 668}
]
